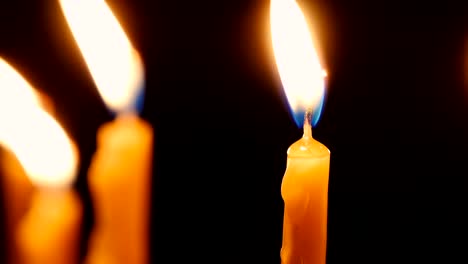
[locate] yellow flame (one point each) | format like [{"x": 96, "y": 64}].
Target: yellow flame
[
  {"x": 114, "y": 64},
  {"x": 38, "y": 141},
  {"x": 297, "y": 61}
]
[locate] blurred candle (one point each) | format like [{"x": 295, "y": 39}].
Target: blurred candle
[
  {"x": 17, "y": 190},
  {"x": 15, "y": 93},
  {"x": 305, "y": 183},
  {"x": 49, "y": 231},
  {"x": 120, "y": 173}
]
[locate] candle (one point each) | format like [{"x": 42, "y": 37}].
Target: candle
[
  {"x": 49, "y": 231},
  {"x": 119, "y": 179},
  {"x": 17, "y": 188},
  {"x": 305, "y": 183},
  {"x": 119, "y": 176},
  {"x": 16, "y": 185}
]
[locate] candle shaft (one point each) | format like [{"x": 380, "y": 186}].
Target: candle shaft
[
  {"x": 17, "y": 190},
  {"x": 305, "y": 193},
  {"x": 50, "y": 231},
  {"x": 119, "y": 179}
]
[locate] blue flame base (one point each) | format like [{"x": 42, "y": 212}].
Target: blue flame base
[
  {"x": 135, "y": 107},
  {"x": 316, "y": 113}
]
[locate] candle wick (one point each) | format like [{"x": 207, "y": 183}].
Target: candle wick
[
  {"x": 126, "y": 112},
  {"x": 307, "y": 125}
]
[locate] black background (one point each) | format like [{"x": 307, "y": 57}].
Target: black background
[{"x": 395, "y": 121}]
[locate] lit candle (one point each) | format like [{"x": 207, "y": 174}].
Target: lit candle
[
  {"x": 119, "y": 176},
  {"x": 49, "y": 231},
  {"x": 15, "y": 96},
  {"x": 305, "y": 183}
]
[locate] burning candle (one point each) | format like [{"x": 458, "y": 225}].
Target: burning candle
[
  {"x": 15, "y": 96},
  {"x": 305, "y": 183},
  {"x": 16, "y": 185},
  {"x": 119, "y": 176},
  {"x": 49, "y": 231}
]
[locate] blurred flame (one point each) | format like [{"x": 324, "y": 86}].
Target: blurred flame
[
  {"x": 114, "y": 64},
  {"x": 38, "y": 141},
  {"x": 19, "y": 97},
  {"x": 297, "y": 61}
]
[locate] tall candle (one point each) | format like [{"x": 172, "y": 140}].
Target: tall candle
[
  {"x": 119, "y": 176},
  {"x": 305, "y": 194},
  {"x": 305, "y": 183}
]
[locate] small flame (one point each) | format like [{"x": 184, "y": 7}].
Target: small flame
[
  {"x": 38, "y": 141},
  {"x": 114, "y": 64},
  {"x": 297, "y": 61}
]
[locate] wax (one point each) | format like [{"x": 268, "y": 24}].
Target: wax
[
  {"x": 305, "y": 193},
  {"x": 119, "y": 180},
  {"x": 17, "y": 190},
  {"x": 50, "y": 231}
]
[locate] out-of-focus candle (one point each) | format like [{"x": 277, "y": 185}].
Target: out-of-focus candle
[
  {"x": 17, "y": 190},
  {"x": 15, "y": 95},
  {"x": 305, "y": 183},
  {"x": 120, "y": 173},
  {"x": 119, "y": 179},
  {"x": 49, "y": 231}
]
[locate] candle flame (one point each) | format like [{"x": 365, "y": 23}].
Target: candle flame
[
  {"x": 22, "y": 94},
  {"x": 296, "y": 58},
  {"x": 38, "y": 141},
  {"x": 114, "y": 64}
]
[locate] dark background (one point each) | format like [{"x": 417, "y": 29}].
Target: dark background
[{"x": 395, "y": 121}]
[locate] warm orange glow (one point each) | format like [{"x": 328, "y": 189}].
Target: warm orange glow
[
  {"x": 298, "y": 63},
  {"x": 466, "y": 62},
  {"x": 114, "y": 64},
  {"x": 37, "y": 140}
]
